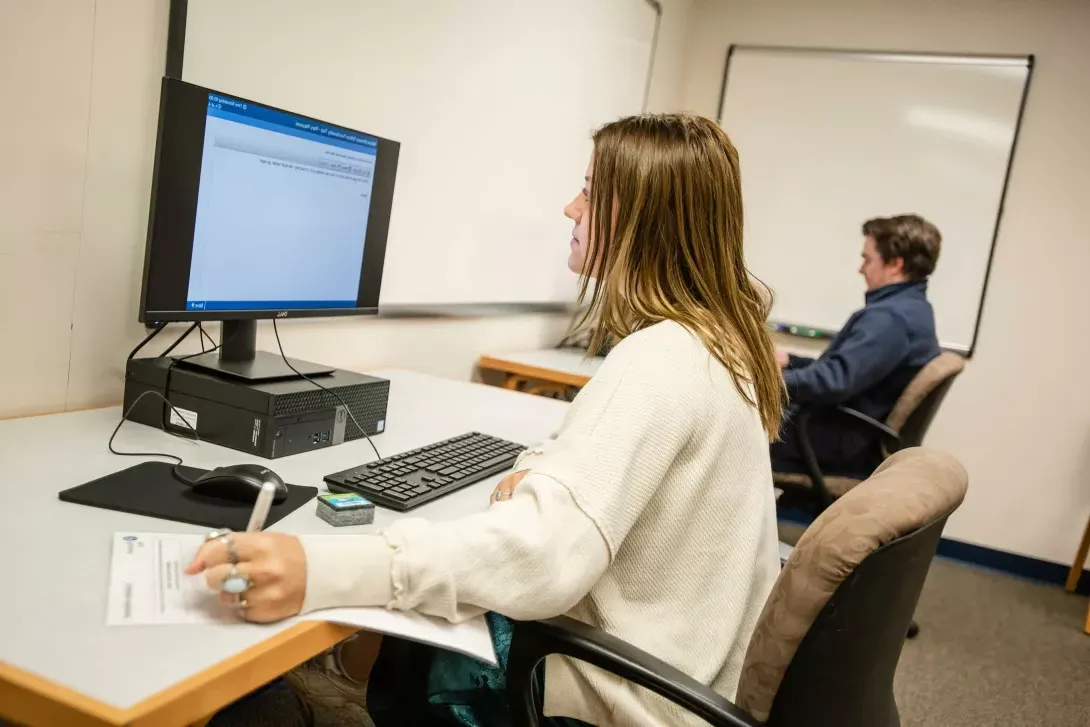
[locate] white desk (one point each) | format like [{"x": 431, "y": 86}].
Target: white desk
[
  {"x": 55, "y": 649},
  {"x": 557, "y": 366}
]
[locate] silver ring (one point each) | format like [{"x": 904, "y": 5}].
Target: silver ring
[
  {"x": 232, "y": 554},
  {"x": 500, "y": 494},
  {"x": 235, "y": 582},
  {"x": 220, "y": 533}
]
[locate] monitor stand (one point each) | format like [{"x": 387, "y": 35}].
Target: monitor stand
[{"x": 239, "y": 358}]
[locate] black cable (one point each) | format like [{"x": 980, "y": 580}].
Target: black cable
[
  {"x": 166, "y": 400},
  {"x": 170, "y": 370},
  {"x": 178, "y": 359},
  {"x": 180, "y": 338},
  {"x": 334, "y": 393},
  {"x": 154, "y": 332},
  {"x": 178, "y": 460},
  {"x": 204, "y": 335}
]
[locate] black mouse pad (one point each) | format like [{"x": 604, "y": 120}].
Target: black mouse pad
[{"x": 151, "y": 489}]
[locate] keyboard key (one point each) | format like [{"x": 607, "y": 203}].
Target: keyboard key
[{"x": 448, "y": 471}]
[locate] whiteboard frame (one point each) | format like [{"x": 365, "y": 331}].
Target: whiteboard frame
[
  {"x": 1028, "y": 60},
  {"x": 175, "y": 61}
]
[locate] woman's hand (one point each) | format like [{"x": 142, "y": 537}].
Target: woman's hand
[
  {"x": 275, "y": 563},
  {"x": 506, "y": 488}
]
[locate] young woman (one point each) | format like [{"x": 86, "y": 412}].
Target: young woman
[{"x": 651, "y": 515}]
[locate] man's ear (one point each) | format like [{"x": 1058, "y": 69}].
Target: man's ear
[{"x": 897, "y": 265}]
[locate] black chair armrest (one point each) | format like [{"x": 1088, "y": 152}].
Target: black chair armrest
[
  {"x": 890, "y": 438},
  {"x": 534, "y": 640},
  {"x": 809, "y": 458}
]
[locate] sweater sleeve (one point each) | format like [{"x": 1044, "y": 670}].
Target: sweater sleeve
[
  {"x": 533, "y": 556},
  {"x": 537, "y": 554},
  {"x": 877, "y": 343}
]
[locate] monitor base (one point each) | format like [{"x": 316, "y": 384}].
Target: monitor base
[
  {"x": 264, "y": 366},
  {"x": 237, "y": 357}
]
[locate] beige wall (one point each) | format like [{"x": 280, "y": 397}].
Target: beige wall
[
  {"x": 74, "y": 192},
  {"x": 1020, "y": 416}
]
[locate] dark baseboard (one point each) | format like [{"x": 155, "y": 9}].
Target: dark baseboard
[
  {"x": 978, "y": 555},
  {"x": 1019, "y": 565}
]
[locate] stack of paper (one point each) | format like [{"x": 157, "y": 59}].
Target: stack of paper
[{"x": 148, "y": 586}]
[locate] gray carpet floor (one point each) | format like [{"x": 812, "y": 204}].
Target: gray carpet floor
[{"x": 993, "y": 650}]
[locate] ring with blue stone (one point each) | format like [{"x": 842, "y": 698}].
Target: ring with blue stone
[{"x": 235, "y": 583}]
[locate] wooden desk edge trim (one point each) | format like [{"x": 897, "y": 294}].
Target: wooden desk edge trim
[
  {"x": 206, "y": 692},
  {"x": 29, "y": 698},
  {"x": 41, "y": 701},
  {"x": 532, "y": 372}
]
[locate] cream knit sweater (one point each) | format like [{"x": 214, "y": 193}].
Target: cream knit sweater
[{"x": 651, "y": 515}]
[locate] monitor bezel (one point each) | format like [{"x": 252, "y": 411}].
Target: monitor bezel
[{"x": 370, "y": 275}]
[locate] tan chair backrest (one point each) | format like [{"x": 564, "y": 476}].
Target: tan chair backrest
[
  {"x": 911, "y": 489},
  {"x": 934, "y": 372}
]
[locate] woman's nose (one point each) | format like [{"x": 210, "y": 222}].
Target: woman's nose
[{"x": 573, "y": 211}]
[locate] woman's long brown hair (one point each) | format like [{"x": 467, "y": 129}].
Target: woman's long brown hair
[{"x": 666, "y": 244}]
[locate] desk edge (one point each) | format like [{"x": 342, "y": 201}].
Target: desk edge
[
  {"x": 31, "y": 699},
  {"x": 206, "y": 692},
  {"x": 494, "y": 363}
]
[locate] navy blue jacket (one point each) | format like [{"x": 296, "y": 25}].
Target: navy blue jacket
[{"x": 871, "y": 361}]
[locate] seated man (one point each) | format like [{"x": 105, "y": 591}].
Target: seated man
[{"x": 873, "y": 358}]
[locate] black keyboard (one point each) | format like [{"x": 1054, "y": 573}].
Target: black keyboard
[{"x": 410, "y": 479}]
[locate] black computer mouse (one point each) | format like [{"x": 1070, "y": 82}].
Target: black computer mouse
[{"x": 239, "y": 483}]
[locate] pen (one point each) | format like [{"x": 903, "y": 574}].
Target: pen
[{"x": 261, "y": 508}]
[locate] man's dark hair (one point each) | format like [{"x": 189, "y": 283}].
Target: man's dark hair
[{"x": 909, "y": 237}]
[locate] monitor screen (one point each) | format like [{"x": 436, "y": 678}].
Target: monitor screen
[{"x": 258, "y": 213}]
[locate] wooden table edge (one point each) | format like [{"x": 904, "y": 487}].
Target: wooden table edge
[
  {"x": 31, "y": 699},
  {"x": 567, "y": 378}
]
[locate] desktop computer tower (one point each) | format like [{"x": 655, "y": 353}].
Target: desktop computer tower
[{"x": 270, "y": 419}]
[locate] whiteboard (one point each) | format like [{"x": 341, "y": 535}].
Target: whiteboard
[
  {"x": 493, "y": 101},
  {"x": 830, "y": 139}
]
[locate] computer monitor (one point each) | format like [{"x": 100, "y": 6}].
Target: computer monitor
[{"x": 261, "y": 213}]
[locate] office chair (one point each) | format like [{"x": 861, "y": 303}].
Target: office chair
[
  {"x": 906, "y": 426},
  {"x": 827, "y": 643}
]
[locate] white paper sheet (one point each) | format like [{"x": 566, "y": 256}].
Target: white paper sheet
[{"x": 148, "y": 587}]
